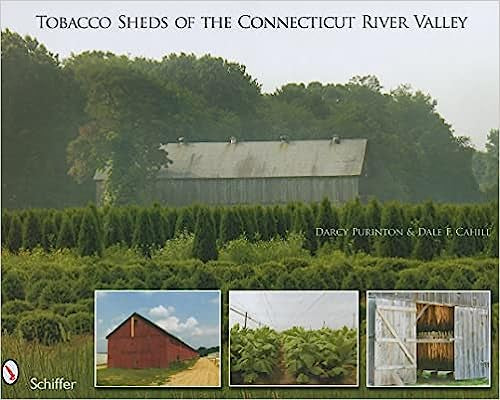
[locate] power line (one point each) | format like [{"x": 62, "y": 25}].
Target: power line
[{"x": 245, "y": 315}]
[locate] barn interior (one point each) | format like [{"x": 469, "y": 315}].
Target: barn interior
[{"x": 435, "y": 333}]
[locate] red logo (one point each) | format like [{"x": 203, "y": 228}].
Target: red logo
[{"x": 10, "y": 372}]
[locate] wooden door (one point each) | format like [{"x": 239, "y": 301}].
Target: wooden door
[
  {"x": 472, "y": 350},
  {"x": 394, "y": 342}
]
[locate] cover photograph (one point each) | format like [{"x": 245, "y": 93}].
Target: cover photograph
[{"x": 249, "y": 199}]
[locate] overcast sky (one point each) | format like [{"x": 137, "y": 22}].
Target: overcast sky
[
  {"x": 281, "y": 310},
  {"x": 459, "y": 68},
  {"x": 192, "y": 316}
]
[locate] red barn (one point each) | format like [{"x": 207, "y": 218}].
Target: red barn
[{"x": 139, "y": 343}]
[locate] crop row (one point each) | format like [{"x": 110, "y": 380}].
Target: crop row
[
  {"x": 62, "y": 283},
  {"x": 90, "y": 230},
  {"x": 310, "y": 356}
]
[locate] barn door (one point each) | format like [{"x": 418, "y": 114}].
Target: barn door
[
  {"x": 395, "y": 347},
  {"x": 472, "y": 353}
]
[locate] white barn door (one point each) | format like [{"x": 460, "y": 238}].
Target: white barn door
[
  {"x": 395, "y": 346},
  {"x": 472, "y": 352}
]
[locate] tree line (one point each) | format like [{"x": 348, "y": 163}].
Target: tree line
[
  {"x": 63, "y": 119},
  {"x": 90, "y": 230}
]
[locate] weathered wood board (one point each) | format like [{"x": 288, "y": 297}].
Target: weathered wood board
[
  {"x": 472, "y": 351},
  {"x": 394, "y": 342}
]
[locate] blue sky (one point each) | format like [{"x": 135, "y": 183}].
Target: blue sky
[{"x": 191, "y": 316}]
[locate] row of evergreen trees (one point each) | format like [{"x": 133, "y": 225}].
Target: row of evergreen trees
[{"x": 90, "y": 230}]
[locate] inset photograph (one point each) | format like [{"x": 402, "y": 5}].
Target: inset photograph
[
  {"x": 428, "y": 338},
  {"x": 293, "y": 338},
  {"x": 157, "y": 338}
]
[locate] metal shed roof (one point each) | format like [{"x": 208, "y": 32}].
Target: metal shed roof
[{"x": 263, "y": 159}]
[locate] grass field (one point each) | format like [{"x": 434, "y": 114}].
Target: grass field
[
  {"x": 426, "y": 378},
  {"x": 75, "y": 361},
  {"x": 140, "y": 377}
]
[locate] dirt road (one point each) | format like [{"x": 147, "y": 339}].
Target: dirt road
[{"x": 203, "y": 373}]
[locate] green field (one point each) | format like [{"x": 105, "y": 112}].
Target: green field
[
  {"x": 139, "y": 377},
  {"x": 48, "y": 293},
  {"x": 74, "y": 361}
]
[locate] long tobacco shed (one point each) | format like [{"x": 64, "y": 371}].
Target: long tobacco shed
[
  {"x": 139, "y": 343},
  {"x": 257, "y": 172},
  {"x": 438, "y": 331}
]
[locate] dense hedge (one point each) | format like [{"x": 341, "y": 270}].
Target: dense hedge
[
  {"x": 89, "y": 229},
  {"x": 43, "y": 326},
  {"x": 62, "y": 283}
]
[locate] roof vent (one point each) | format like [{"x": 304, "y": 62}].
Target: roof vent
[
  {"x": 180, "y": 139},
  {"x": 336, "y": 139},
  {"x": 232, "y": 140},
  {"x": 284, "y": 139}
]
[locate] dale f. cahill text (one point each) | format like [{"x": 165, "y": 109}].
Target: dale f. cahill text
[{"x": 420, "y": 231}]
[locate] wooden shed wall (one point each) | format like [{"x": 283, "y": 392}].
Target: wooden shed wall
[
  {"x": 149, "y": 348},
  {"x": 180, "y": 192},
  {"x": 471, "y": 345},
  {"x": 472, "y": 350},
  {"x": 393, "y": 359},
  {"x": 466, "y": 299}
]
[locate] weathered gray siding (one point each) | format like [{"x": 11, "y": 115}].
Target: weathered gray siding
[
  {"x": 445, "y": 298},
  {"x": 393, "y": 332},
  {"x": 472, "y": 351},
  {"x": 386, "y": 366},
  {"x": 179, "y": 192}
]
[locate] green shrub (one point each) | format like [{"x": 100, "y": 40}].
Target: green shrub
[
  {"x": 179, "y": 248},
  {"x": 66, "y": 235},
  {"x": 16, "y": 307},
  {"x": 35, "y": 290},
  {"x": 185, "y": 222},
  {"x": 15, "y": 238},
  {"x": 6, "y": 218},
  {"x": 89, "y": 237},
  {"x": 231, "y": 226},
  {"x": 56, "y": 292},
  {"x": 80, "y": 323},
  {"x": 32, "y": 231},
  {"x": 113, "y": 229},
  {"x": 13, "y": 284},
  {"x": 49, "y": 233},
  {"x": 204, "y": 243},
  {"x": 143, "y": 233},
  {"x": 241, "y": 251},
  {"x": 157, "y": 225},
  {"x": 66, "y": 309},
  {"x": 9, "y": 322},
  {"x": 44, "y": 327},
  {"x": 87, "y": 304}
]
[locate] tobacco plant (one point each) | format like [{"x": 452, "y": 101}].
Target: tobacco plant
[{"x": 254, "y": 352}]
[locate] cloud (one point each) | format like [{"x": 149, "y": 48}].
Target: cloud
[
  {"x": 174, "y": 324},
  {"x": 206, "y": 331},
  {"x": 99, "y": 321},
  {"x": 161, "y": 311}
]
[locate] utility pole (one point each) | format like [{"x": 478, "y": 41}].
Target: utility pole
[{"x": 246, "y": 315}]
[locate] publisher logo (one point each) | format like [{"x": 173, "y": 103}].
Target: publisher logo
[{"x": 10, "y": 372}]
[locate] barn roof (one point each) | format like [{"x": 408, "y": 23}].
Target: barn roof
[
  {"x": 159, "y": 328},
  {"x": 263, "y": 159}
]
